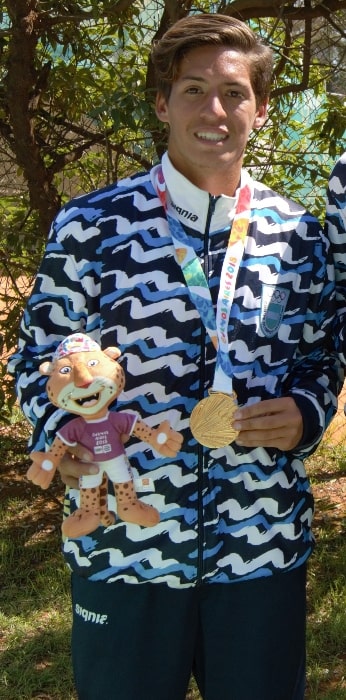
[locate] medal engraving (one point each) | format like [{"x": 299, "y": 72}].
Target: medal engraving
[{"x": 210, "y": 420}]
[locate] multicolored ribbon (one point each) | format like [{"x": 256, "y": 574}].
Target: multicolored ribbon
[{"x": 216, "y": 324}]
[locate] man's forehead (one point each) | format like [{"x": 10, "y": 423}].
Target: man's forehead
[
  {"x": 199, "y": 64},
  {"x": 205, "y": 55}
]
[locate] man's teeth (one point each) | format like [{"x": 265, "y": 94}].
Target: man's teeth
[{"x": 211, "y": 137}]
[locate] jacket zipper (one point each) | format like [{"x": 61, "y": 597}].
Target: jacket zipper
[{"x": 202, "y": 455}]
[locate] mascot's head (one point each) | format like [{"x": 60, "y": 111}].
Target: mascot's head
[{"x": 83, "y": 379}]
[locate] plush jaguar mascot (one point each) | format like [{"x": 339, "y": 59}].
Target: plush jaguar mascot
[{"x": 84, "y": 380}]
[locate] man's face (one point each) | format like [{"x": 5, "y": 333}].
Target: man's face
[{"x": 211, "y": 111}]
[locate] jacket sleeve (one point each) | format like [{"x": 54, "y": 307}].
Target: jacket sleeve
[
  {"x": 316, "y": 378},
  {"x": 335, "y": 229},
  {"x": 64, "y": 299}
]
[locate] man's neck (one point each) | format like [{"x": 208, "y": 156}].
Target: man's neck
[{"x": 224, "y": 182}]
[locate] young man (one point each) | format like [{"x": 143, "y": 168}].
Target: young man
[
  {"x": 206, "y": 280},
  {"x": 335, "y": 228}
]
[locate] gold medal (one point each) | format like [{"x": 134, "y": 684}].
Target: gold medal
[{"x": 210, "y": 420}]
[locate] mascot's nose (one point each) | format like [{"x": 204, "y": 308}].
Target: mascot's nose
[{"x": 81, "y": 375}]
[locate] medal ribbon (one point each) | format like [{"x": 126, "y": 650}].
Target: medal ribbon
[{"x": 216, "y": 324}]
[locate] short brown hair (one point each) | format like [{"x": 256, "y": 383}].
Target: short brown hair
[{"x": 211, "y": 29}]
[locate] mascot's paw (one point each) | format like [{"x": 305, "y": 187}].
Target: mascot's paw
[
  {"x": 139, "y": 513},
  {"x": 168, "y": 441},
  {"x": 41, "y": 471},
  {"x": 79, "y": 523},
  {"x": 108, "y": 519}
]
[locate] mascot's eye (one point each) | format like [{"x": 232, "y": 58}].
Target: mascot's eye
[
  {"x": 65, "y": 370},
  {"x": 93, "y": 363}
]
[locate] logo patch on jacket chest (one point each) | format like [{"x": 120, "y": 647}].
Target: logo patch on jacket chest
[{"x": 273, "y": 305}]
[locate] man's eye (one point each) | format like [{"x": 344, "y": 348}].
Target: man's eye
[{"x": 65, "y": 370}]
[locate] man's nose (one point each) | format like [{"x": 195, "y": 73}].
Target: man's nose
[
  {"x": 81, "y": 375},
  {"x": 213, "y": 106}
]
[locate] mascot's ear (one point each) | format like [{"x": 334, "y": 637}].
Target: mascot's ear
[
  {"x": 46, "y": 368},
  {"x": 112, "y": 352}
]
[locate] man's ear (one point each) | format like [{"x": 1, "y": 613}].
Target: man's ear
[
  {"x": 161, "y": 108},
  {"x": 261, "y": 115}
]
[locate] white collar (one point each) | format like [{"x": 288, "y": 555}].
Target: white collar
[{"x": 190, "y": 204}]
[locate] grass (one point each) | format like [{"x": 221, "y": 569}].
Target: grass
[
  {"x": 35, "y": 613},
  {"x": 34, "y": 584}
]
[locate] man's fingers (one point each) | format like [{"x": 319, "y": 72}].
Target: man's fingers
[
  {"x": 272, "y": 423},
  {"x": 80, "y": 453},
  {"x": 267, "y": 414},
  {"x": 76, "y": 463},
  {"x": 267, "y": 438}
]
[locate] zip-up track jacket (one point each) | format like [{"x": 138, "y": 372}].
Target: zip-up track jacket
[
  {"x": 335, "y": 226},
  {"x": 227, "y": 514}
]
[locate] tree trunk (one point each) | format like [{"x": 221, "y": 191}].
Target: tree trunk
[{"x": 24, "y": 87}]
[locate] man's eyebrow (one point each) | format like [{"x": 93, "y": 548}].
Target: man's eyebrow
[
  {"x": 201, "y": 79},
  {"x": 193, "y": 77}
]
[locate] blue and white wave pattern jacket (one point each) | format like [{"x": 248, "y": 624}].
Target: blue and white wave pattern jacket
[
  {"x": 227, "y": 514},
  {"x": 335, "y": 228}
]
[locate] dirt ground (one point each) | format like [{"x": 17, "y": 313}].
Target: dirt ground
[{"x": 333, "y": 488}]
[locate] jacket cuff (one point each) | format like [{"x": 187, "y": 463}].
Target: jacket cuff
[{"x": 312, "y": 431}]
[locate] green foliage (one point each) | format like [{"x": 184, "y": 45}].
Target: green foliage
[
  {"x": 293, "y": 154},
  {"x": 20, "y": 252}
]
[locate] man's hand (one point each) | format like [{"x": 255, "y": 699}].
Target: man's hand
[
  {"x": 272, "y": 423},
  {"x": 76, "y": 462}
]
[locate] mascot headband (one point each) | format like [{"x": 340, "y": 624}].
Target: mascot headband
[{"x": 77, "y": 342}]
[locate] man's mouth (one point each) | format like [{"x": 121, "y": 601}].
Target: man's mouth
[{"x": 211, "y": 136}]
